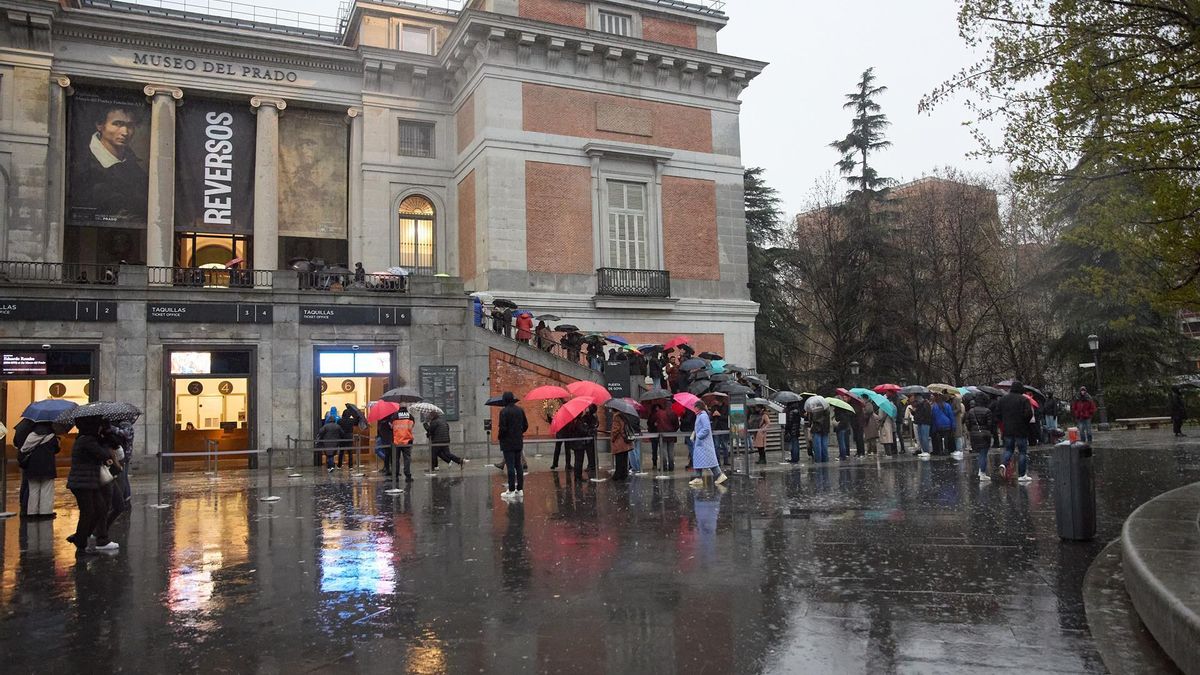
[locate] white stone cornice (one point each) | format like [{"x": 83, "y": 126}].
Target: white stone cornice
[{"x": 595, "y": 149}]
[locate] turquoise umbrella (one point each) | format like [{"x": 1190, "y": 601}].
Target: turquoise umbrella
[
  {"x": 878, "y": 399},
  {"x": 718, "y": 366}
]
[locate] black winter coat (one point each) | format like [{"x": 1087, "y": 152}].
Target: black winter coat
[
  {"x": 923, "y": 412},
  {"x": 37, "y": 461},
  {"x": 513, "y": 426},
  {"x": 86, "y": 457},
  {"x": 1014, "y": 411},
  {"x": 438, "y": 431}
]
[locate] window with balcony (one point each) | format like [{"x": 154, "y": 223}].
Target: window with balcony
[
  {"x": 628, "y": 231},
  {"x": 418, "y": 39},
  {"x": 416, "y": 139},
  {"x": 416, "y": 234},
  {"x": 616, "y": 24}
]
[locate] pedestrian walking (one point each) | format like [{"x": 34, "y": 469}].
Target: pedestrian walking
[
  {"x": 1015, "y": 414},
  {"x": 620, "y": 444},
  {"x": 719, "y": 415},
  {"x": 438, "y": 432},
  {"x": 1178, "y": 411},
  {"x": 704, "y": 452},
  {"x": 666, "y": 424},
  {"x": 36, "y": 459},
  {"x": 513, "y": 425},
  {"x": 980, "y": 424},
  {"x": 349, "y": 420},
  {"x": 119, "y": 439},
  {"x": 329, "y": 438},
  {"x": 1083, "y": 409},
  {"x": 88, "y": 458}
]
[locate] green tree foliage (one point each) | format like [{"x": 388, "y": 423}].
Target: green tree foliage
[
  {"x": 775, "y": 328},
  {"x": 866, "y": 137}
]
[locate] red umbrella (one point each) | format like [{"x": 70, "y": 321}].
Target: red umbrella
[
  {"x": 886, "y": 389},
  {"x": 597, "y": 393},
  {"x": 853, "y": 398},
  {"x": 568, "y": 412},
  {"x": 546, "y": 393},
  {"x": 687, "y": 400},
  {"x": 380, "y": 410},
  {"x": 1032, "y": 402},
  {"x": 677, "y": 341}
]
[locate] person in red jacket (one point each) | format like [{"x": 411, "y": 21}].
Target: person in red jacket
[
  {"x": 525, "y": 327},
  {"x": 1083, "y": 408}
]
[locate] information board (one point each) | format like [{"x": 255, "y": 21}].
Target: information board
[
  {"x": 355, "y": 315},
  {"x": 616, "y": 378},
  {"x": 57, "y": 310},
  {"x": 439, "y": 386},
  {"x": 208, "y": 312}
]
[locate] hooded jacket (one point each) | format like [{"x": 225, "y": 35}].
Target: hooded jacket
[
  {"x": 1014, "y": 411},
  {"x": 513, "y": 425},
  {"x": 37, "y": 454},
  {"x": 1084, "y": 408}
]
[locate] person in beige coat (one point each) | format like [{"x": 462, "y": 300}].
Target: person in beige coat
[
  {"x": 760, "y": 421},
  {"x": 871, "y": 430},
  {"x": 960, "y": 424},
  {"x": 887, "y": 431}
]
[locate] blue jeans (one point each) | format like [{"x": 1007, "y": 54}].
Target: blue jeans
[
  {"x": 635, "y": 456},
  {"x": 793, "y": 445},
  {"x": 1085, "y": 431},
  {"x": 1021, "y": 444},
  {"x": 923, "y": 438},
  {"x": 820, "y": 447},
  {"x": 983, "y": 460},
  {"x": 843, "y": 437},
  {"x": 722, "y": 443},
  {"x": 688, "y": 442}
]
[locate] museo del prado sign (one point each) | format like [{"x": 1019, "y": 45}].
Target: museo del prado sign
[{"x": 205, "y": 66}]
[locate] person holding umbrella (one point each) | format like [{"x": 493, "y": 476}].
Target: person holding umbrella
[
  {"x": 843, "y": 418},
  {"x": 329, "y": 438},
  {"x": 793, "y": 430},
  {"x": 760, "y": 422},
  {"x": 665, "y": 423},
  {"x": 36, "y": 459},
  {"x": 1015, "y": 413},
  {"x": 980, "y": 425},
  {"x": 351, "y": 417},
  {"x": 620, "y": 442},
  {"x": 922, "y": 415},
  {"x": 513, "y": 425},
  {"x": 943, "y": 425},
  {"x": 704, "y": 452},
  {"x": 47, "y": 410},
  {"x": 88, "y": 458},
  {"x": 819, "y": 422},
  {"x": 1178, "y": 412}
]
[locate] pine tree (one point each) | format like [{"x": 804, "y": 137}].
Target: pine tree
[{"x": 865, "y": 137}]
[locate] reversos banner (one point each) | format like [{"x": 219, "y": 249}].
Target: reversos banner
[{"x": 214, "y": 167}]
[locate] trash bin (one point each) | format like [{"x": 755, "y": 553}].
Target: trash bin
[{"x": 1074, "y": 491}]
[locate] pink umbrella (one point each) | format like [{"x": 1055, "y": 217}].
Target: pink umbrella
[
  {"x": 547, "y": 392},
  {"x": 687, "y": 400},
  {"x": 677, "y": 341},
  {"x": 380, "y": 410},
  {"x": 1032, "y": 402},
  {"x": 641, "y": 409},
  {"x": 597, "y": 393},
  {"x": 568, "y": 412}
]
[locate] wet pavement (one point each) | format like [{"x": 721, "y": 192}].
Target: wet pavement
[{"x": 897, "y": 566}]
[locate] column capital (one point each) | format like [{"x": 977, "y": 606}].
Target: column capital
[
  {"x": 260, "y": 101},
  {"x": 163, "y": 90},
  {"x": 61, "y": 80},
  {"x": 353, "y": 112}
]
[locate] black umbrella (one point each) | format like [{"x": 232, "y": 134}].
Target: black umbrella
[
  {"x": 786, "y": 397},
  {"x": 402, "y": 395},
  {"x": 547, "y": 317},
  {"x": 990, "y": 390},
  {"x": 495, "y": 402},
  {"x": 721, "y": 377},
  {"x": 711, "y": 356},
  {"x": 734, "y": 389},
  {"x": 693, "y": 364},
  {"x": 700, "y": 387},
  {"x": 647, "y": 349},
  {"x": 656, "y": 395},
  {"x": 1035, "y": 392},
  {"x": 362, "y": 419},
  {"x": 502, "y": 303},
  {"x": 567, "y": 328},
  {"x": 622, "y": 406},
  {"x": 730, "y": 368},
  {"x": 111, "y": 411},
  {"x": 753, "y": 380},
  {"x": 700, "y": 375},
  {"x": 914, "y": 389}
]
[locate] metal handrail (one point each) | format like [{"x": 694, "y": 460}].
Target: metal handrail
[
  {"x": 23, "y": 272},
  {"x": 204, "y": 277},
  {"x": 349, "y": 282},
  {"x": 633, "y": 283},
  {"x": 229, "y": 13}
]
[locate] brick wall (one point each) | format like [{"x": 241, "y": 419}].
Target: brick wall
[
  {"x": 509, "y": 373},
  {"x": 669, "y": 32},
  {"x": 466, "y": 227},
  {"x": 572, "y": 112},
  {"x": 690, "y": 241},
  {"x": 561, "y": 12},
  {"x": 558, "y": 218},
  {"x": 464, "y": 120}
]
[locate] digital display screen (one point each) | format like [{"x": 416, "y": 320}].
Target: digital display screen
[
  {"x": 24, "y": 363},
  {"x": 191, "y": 363}
]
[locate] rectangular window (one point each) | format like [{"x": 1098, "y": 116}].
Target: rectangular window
[
  {"x": 416, "y": 139},
  {"x": 416, "y": 39},
  {"x": 628, "y": 238},
  {"x": 617, "y": 24}
]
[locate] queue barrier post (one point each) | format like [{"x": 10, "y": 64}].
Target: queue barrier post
[
  {"x": 271, "y": 497},
  {"x": 292, "y": 448},
  {"x": 159, "y": 503},
  {"x": 4, "y": 482},
  {"x": 395, "y": 489}
]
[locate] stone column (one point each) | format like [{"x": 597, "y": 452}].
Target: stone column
[
  {"x": 56, "y": 167},
  {"x": 266, "y": 182},
  {"x": 354, "y": 220},
  {"x": 160, "y": 205}
]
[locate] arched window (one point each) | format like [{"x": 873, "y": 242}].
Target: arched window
[{"x": 416, "y": 234}]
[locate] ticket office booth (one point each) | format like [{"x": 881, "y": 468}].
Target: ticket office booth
[
  {"x": 354, "y": 375},
  {"x": 29, "y": 373},
  {"x": 209, "y": 404}
]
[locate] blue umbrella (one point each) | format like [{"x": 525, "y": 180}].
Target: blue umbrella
[
  {"x": 47, "y": 410},
  {"x": 617, "y": 340},
  {"x": 718, "y": 366},
  {"x": 878, "y": 399}
]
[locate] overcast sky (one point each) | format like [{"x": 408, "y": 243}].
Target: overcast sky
[{"x": 817, "y": 51}]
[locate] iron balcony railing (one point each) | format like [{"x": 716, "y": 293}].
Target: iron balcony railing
[
  {"x": 349, "y": 282},
  {"x": 627, "y": 283},
  {"x": 14, "y": 272},
  {"x": 204, "y": 277}
]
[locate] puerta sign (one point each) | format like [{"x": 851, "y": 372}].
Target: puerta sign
[
  {"x": 439, "y": 386},
  {"x": 208, "y": 312},
  {"x": 616, "y": 378},
  {"x": 57, "y": 310},
  {"x": 355, "y": 315},
  {"x": 214, "y": 167}
]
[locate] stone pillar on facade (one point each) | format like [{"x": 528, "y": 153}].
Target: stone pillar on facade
[
  {"x": 266, "y": 182},
  {"x": 56, "y": 168},
  {"x": 354, "y": 231},
  {"x": 160, "y": 205}
]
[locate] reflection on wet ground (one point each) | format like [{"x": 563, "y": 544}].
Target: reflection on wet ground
[{"x": 901, "y": 567}]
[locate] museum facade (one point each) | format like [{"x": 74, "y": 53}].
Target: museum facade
[{"x": 204, "y": 213}]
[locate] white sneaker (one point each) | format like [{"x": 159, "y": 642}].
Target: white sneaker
[
  {"x": 520, "y": 494},
  {"x": 110, "y": 547},
  {"x": 722, "y": 478},
  {"x": 923, "y": 455},
  {"x": 1025, "y": 479},
  {"x": 1003, "y": 472},
  {"x": 696, "y": 482},
  {"x": 957, "y": 454},
  {"x": 984, "y": 477},
  {"x": 507, "y": 494}
]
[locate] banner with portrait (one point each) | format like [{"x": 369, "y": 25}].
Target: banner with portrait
[
  {"x": 108, "y": 145},
  {"x": 214, "y": 167},
  {"x": 313, "y": 174}
]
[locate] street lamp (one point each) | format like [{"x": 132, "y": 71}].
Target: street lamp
[
  {"x": 854, "y": 372},
  {"x": 1094, "y": 345}
]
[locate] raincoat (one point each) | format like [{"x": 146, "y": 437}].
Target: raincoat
[
  {"x": 617, "y": 435},
  {"x": 763, "y": 422},
  {"x": 705, "y": 454}
]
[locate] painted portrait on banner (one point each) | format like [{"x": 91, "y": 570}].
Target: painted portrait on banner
[
  {"x": 107, "y": 150},
  {"x": 313, "y": 157}
]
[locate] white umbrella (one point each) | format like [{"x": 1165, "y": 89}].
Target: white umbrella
[
  {"x": 816, "y": 404},
  {"x": 423, "y": 408},
  {"x": 485, "y": 298}
]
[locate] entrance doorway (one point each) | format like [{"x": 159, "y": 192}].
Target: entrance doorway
[
  {"x": 350, "y": 376},
  {"x": 29, "y": 374},
  {"x": 210, "y": 405}
]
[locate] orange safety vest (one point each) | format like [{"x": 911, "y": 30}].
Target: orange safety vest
[{"x": 402, "y": 429}]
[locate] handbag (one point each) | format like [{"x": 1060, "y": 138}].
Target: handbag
[{"x": 106, "y": 476}]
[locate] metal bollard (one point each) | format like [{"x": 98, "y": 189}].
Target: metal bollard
[
  {"x": 4, "y": 481},
  {"x": 270, "y": 478},
  {"x": 395, "y": 489},
  {"x": 159, "y": 504}
]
